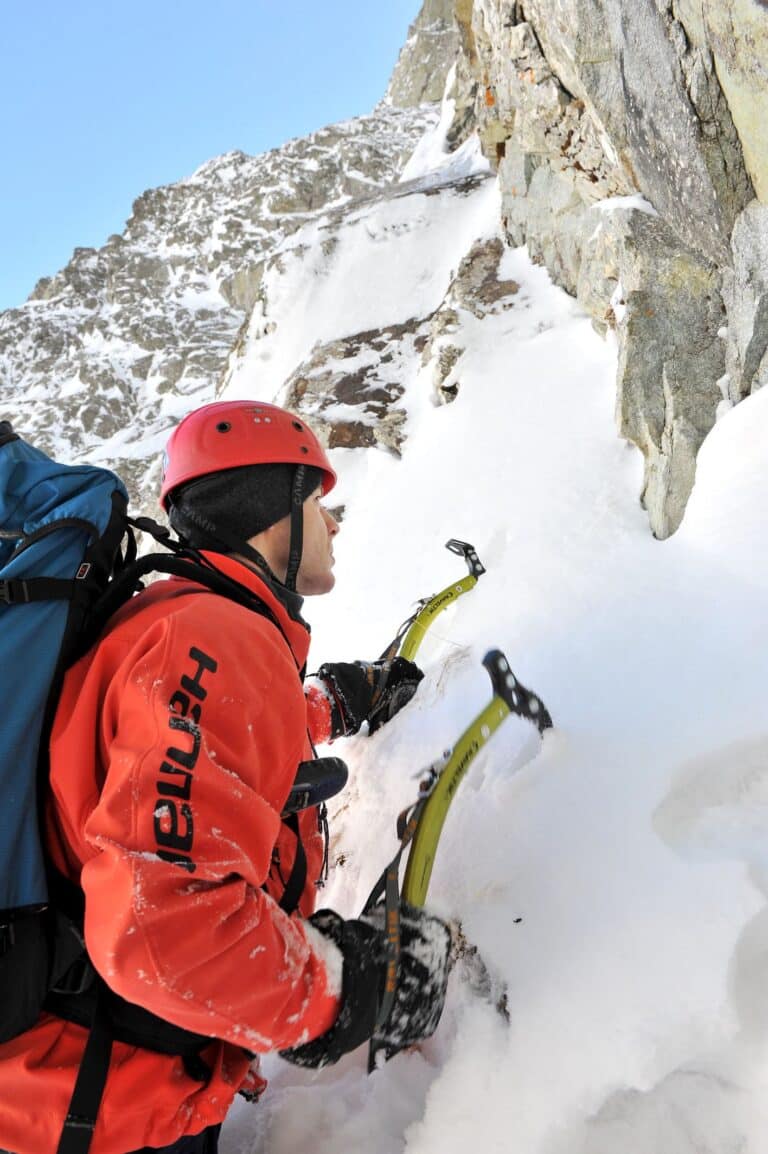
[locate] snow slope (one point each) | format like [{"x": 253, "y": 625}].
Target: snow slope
[{"x": 616, "y": 883}]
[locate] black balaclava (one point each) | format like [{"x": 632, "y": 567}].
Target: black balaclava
[{"x": 225, "y": 509}]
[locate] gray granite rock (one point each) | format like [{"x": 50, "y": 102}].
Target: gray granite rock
[
  {"x": 355, "y": 405},
  {"x": 746, "y": 299},
  {"x": 591, "y": 102},
  {"x": 426, "y": 57},
  {"x": 671, "y": 360},
  {"x": 664, "y": 304},
  {"x": 737, "y": 32},
  {"x": 604, "y": 52}
]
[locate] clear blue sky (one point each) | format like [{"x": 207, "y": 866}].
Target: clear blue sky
[{"x": 102, "y": 99}]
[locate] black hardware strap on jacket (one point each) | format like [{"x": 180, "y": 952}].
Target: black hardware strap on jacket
[{"x": 294, "y": 887}]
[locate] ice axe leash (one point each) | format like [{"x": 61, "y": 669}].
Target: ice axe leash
[
  {"x": 421, "y": 825},
  {"x": 411, "y": 633}
]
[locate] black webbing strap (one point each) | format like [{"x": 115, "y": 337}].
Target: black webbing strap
[
  {"x": 386, "y": 893},
  {"x": 79, "y": 1124},
  {"x": 392, "y": 955},
  {"x": 391, "y": 650},
  {"x": 199, "y": 571},
  {"x": 294, "y": 887},
  {"x": 20, "y": 592}
]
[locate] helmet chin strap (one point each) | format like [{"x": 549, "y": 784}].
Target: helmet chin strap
[{"x": 297, "y": 529}]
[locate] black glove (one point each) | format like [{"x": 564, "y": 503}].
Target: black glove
[
  {"x": 419, "y": 995},
  {"x": 371, "y": 691},
  {"x": 362, "y": 950},
  {"x": 422, "y": 977}
]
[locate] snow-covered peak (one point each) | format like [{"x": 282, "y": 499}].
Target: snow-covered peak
[{"x": 113, "y": 349}]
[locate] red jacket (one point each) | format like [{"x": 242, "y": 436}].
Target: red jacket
[{"x": 175, "y": 744}]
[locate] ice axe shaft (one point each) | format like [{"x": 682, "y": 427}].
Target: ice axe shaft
[
  {"x": 510, "y": 696},
  {"x": 411, "y": 633}
]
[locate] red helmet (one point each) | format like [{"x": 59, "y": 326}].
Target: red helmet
[{"x": 228, "y": 434}]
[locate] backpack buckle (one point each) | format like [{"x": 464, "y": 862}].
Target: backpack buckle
[
  {"x": 7, "y": 938},
  {"x": 14, "y": 592},
  {"x": 78, "y": 978}
]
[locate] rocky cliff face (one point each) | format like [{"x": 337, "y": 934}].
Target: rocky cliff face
[
  {"x": 631, "y": 145},
  {"x": 631, "y": 152},
  {"x": 426, "y": 58}
]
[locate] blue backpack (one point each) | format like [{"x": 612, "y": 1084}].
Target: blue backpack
[
  {"x": 59, "y": 529},
  {"x": 68, "y": 561}
]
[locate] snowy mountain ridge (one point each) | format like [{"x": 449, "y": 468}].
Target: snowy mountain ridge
[{"x": 113, "y": 349}]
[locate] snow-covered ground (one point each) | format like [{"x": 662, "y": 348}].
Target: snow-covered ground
[{"x": 614, "y": 877}]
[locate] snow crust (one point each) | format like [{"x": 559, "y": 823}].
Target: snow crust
[{"x": 613, "y": 877}]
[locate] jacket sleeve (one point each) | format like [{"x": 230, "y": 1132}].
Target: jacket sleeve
[
  {"x": 318, "y": 711},
  {"x": 201, "y": 733}
]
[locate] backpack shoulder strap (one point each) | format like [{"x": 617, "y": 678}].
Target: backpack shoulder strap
[
  {"x": 186, "y": 565},
  {"x": 80, "y": 1121}
]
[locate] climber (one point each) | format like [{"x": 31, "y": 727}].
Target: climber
[{"x": 175, "y": 744}]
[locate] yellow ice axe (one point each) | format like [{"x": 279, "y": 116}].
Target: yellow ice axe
[{"x": 411, "y": 633}]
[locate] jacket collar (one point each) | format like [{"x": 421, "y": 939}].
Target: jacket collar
[{"x": 285, "y": 605}]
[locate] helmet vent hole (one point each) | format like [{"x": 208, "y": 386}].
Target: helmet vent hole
[
  {"x": 298, "y": 425},
  {"x": 304, "y": 449},
  {"x": 223, "y": 427}
]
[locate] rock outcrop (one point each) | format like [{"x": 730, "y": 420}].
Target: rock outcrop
[
  {"x": 736, "y": 32},
  {"x": 745, "y": 290},
  {"x": 598, "y": 113},
  {"x": 426, "y": 58}
]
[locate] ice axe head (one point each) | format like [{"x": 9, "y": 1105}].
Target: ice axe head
[
  {"x": 468, "y": 552},
  {"x": 524, "y": 702}
]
